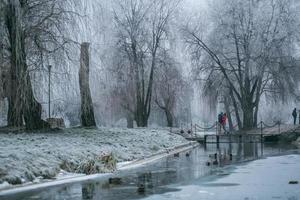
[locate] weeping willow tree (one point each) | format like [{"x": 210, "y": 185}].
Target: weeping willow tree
[
  {"x": 168, "y": 85},
  {"x": 33, "y": 30},
  {"x": 251, "y": 49},
  {"x": 21, "y": 99}
]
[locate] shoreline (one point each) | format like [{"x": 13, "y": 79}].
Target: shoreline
[
  {"x": 27, "y": 157},
  {"x": 79, "y": 178},
  {"x": 166, "y": 148},
  {"x": 133, "y": 164}
]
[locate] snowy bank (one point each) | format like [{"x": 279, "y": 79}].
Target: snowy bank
[
  {"x": 28, "y": 157},
  {"x": 297, "y": 142}
]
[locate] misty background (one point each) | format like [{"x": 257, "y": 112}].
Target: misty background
[{"x": 96, "y": 22}]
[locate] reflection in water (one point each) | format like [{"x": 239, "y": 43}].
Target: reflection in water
[
  {"x": 159, "y": 177},
  {"x": 88, "y": 191}
]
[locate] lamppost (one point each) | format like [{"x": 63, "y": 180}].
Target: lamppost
[{"x": 49, "y": 91}]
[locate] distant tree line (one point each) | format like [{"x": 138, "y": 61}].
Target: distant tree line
[{"x": 245, "y": 52}]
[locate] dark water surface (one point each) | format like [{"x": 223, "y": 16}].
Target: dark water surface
[{"x": 173, "y": 177}]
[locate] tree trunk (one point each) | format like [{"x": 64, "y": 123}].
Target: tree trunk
[
  {"x": 144, "y": 104},
  {"x": 236, "y": 110},
  {"x": 21, "y": 98},
  {"x": 129, "y": 120},
  {"x": 14, "y": 115},
  {"x": 141, "y": 117},
  {"x": 32, "y": 109},
  {"x": 255, "y": 116},
  {"x": 247, "y": 100},
  {"x": 2, "y": 95},
  {"x": 257, "y": 100},
  {"x": 87, "y": 111},
  {"x": 247, "y": 116},
  {"x": 169, "y": 117},
  {"x": 12, "y": 22}
]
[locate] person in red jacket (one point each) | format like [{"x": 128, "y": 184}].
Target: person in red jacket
[{"x": 224, "y": 120}]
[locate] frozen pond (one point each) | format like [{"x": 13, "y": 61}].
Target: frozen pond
[
  {"x": 237, "y": 173},
  {"x": 261, "y": 179}
]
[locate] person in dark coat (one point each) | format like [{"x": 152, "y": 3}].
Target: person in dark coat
[
  {"x": 220, "y": 117},
  {"x": 294, "y": 114},
  {"x": 224, "y": 120},
  {"x": 220, "y": 120}
]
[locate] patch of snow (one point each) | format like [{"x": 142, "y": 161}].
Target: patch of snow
[
  {"x": 297, "y": 142},
  {"x": 24, "y": 157},
  {"x": 4, "y": 185}
]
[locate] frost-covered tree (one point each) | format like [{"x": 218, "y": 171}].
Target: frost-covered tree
[
  {"x": 168, "y": 86},
  {"x": 141, "y": 27},
  {"x": 34, "y": 30},
  {"x": 249, "y": 49},
  {"x": 122, "y": 93}
]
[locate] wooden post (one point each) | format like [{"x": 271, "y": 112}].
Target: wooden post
[
  {"x": 279, "y": 127},
  {"x": 49, "y": 91},
  {"x": 205, "y": 141},
  {"x": 218, "y": 141}
]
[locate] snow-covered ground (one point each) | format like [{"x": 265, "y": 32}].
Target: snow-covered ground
[{"x": 29, "y": 157}]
